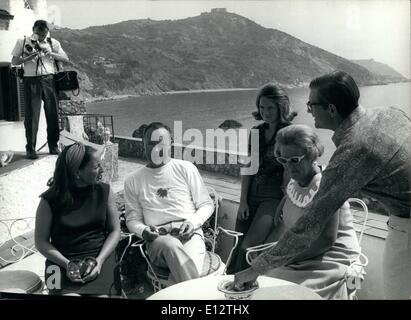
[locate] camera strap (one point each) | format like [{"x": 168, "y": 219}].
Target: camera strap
[
  {"x": 55, "y": 62},
  {"x": 22, "y": 49},
  {"x": 40, "y": 60}
]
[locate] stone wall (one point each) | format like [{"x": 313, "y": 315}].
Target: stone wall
[
  {"x": 210, "y": 160},
  {"x": 109, "y": 163},
  {"x": 72, "y": 106}
]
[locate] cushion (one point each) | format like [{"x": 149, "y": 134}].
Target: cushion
[{"x": 19, "y": 281}]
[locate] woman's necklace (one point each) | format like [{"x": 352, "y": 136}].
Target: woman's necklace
[{"x": 302, "y": 196}]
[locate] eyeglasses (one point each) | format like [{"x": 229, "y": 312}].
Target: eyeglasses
[
  {"x": 292, "y": 160},
  {"x": 311, "y": 104}
]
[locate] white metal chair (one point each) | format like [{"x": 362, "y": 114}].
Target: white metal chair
[
  {"x": 18, "y": 245},
  {"x": 355, "y": 272},
  {"x": 213, "y": 265}
]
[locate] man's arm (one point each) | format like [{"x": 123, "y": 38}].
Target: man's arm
[
  {"x": 324, "y": 242},
  {"x": 19, "y": 60},
  {"x": 18, "y": 55},
  {"x": 201, "y": 198},
  {"x": 134, "y": 211},
  {"x": 349, "y": 170}
]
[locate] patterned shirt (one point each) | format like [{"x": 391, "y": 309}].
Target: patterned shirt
[{"x": 373, "y": 156}]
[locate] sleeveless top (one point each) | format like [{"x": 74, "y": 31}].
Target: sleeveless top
[
  {"x": 268, "y": 165},
  {"x": 81, "y": 229}
]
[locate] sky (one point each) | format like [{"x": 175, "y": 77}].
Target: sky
[{"x": 353, "y": 29}]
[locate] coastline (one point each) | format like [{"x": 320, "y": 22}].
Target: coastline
[{"x": 129, "y": 96}]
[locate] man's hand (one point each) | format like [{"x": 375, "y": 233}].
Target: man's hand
[
  {"x": 47, "y": 51},
  {"x": 30, "y": 57},
  {"x": 150, "y": 233},
  {"x": 243, "y": 280},
  {"x": 186, "y": 229}
]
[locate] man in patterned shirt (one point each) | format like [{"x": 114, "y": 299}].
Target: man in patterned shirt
[{"x": 373, "y": 156}]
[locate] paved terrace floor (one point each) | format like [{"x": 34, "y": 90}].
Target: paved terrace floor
[{"x": 23, "y": 180}]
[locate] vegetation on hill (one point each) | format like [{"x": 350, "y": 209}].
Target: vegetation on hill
[{"x": 211, "y": 51}]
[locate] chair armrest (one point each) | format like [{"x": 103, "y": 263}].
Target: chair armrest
[
  {"x": 258, "y": 248},
  {"x": 17, "y": 239},
  {"x": 235, "y": 235},
  {"x": 365, "y": 209}
]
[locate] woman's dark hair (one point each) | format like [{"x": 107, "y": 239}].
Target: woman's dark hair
[
  {"x": 337, "y": 88},
  {"x": 59, "y": 195},
  {"x": 280, "y": 97}
]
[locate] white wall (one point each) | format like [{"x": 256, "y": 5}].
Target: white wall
[{"x": 21, "y": 25}]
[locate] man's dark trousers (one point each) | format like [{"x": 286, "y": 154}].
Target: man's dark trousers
[{"x": 37, "y": 89}]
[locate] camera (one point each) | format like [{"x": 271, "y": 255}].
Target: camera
[
  {"x": 28, "y": 48},
  {"x": 34, "y": 46}
]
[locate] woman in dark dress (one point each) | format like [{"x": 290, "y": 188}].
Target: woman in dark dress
[
  {"x": 77, "y": 219},
  {"x": 261, "y": 193}
]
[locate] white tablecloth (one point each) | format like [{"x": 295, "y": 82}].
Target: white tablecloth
[{"x": 206, "y": 289}]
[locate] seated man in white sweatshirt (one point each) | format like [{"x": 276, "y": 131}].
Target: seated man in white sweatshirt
[{"x": 166, "y": 205}]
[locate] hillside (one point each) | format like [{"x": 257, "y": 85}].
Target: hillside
[
  {"x": 211, "y": 51},
  {"x": 381, "y": 71}
]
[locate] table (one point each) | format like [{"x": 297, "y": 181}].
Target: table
[{"x": 206, "y": 289}]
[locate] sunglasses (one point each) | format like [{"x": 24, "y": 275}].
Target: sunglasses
[
  {"x": 292, "y": 160},
  {"x": 163, "y": 231}
]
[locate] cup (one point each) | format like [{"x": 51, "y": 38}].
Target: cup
[{"x": 231, "y": 294}]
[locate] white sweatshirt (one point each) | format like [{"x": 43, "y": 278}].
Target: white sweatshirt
[{"x": 173, "y": 192}]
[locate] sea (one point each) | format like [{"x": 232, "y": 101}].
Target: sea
[{"x": 206, "y": 110}]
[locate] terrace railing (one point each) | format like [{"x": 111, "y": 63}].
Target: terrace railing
[{"x": 96, "y": 128}]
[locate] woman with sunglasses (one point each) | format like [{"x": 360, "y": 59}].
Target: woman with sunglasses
[
  {"x": 77, "y": 226},
  {"x": 261, "y": 193},
  {"x": 325, "y": 264}
]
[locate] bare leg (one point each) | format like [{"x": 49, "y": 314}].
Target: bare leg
[{"x": 260, "y": 229}]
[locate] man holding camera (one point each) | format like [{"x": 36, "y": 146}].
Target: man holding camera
[{"x": 39, "y": 54}]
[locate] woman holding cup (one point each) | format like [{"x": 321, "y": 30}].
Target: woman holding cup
[{"x": 77, "y": 226}]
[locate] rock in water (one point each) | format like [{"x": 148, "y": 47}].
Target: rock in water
[{"x": 230, "y": 124}]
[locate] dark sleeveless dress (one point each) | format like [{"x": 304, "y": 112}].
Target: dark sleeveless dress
[
  {"x": 79, "y": 232},
  {"x": 267, "y": 183}
]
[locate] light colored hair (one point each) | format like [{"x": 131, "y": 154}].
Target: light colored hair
[{"x": 301, "y": 136}]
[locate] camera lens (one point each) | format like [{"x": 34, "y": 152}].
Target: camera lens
[{"x": 28, "y": 48}]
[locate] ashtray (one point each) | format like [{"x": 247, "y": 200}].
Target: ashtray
[{"x": 234, "y": 294}]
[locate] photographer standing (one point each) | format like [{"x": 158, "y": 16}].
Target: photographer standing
[{"x": 38, "y": 54}]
